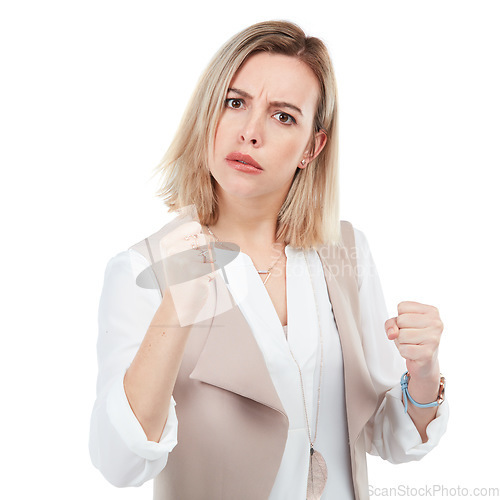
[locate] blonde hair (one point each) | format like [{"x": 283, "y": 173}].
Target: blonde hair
[{"x": 309, "y": 215}]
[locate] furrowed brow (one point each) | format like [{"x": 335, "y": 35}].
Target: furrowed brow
[
  {"x": 242, "y": 93},
  {"x": 282, "y": 104},
  {"x": 278, "y": 104}
]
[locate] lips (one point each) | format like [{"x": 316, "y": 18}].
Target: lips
[{"x": 244, "y": 159}]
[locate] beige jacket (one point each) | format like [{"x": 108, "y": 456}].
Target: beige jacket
[{"x": 232, "y": 426}]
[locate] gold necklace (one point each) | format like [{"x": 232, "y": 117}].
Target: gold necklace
[
  {"x": 318, "y": 473},
  {"x": 268, "y": 272}
]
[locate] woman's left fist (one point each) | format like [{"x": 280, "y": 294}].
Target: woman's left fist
[{"x": 416, "y": 331}]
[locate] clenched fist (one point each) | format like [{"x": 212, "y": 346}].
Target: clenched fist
[{"x": 416, "y": 331}]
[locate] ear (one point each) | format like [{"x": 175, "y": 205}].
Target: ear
[{"x": 320, "y": 139}]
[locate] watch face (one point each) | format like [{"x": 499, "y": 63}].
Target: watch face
[{"x": 442, "y": 384}]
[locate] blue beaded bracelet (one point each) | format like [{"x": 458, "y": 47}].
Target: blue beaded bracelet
[{"x": 406, "y": 395}]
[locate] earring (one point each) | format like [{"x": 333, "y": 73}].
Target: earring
[{"x": 303, "y": 162}]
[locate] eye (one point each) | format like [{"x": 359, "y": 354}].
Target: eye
[
  {"x": 284, "y": 118},
  {"x": 234, "y": 103}
]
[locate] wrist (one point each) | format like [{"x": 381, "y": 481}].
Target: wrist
[
  {"x": 421, "y": 393},
  {"x": 425, "y": 380},
  {"x": 425, "y": 372}
]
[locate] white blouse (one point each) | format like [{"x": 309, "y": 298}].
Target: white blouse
[{"x": 118, "y": 445}]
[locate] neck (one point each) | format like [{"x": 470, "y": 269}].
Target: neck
[{"x": 247, "y": 222}]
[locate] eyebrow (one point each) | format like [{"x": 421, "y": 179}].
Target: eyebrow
[{"x": 278, "y": 104}]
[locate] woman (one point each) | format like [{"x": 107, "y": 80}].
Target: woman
[{"x": 263, "y": 372}]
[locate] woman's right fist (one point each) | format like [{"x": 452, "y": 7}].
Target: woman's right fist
[{"x": 188, "y": 260}]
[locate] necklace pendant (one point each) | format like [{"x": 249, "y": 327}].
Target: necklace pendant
[{"x": 318, "y": 474}]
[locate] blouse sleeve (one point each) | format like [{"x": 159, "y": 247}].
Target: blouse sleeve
[
  {"x": 391, "y": 433},
  {"x": 118, "y": 445}
]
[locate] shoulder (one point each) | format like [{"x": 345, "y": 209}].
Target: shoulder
[
  {"x": 165, "y": 226},
  {"x": 128, "y": 259},
  {"x": 361, "y": 241},
  {"x": 365, "y": 265},
  {"x": 128, "y": 282},
  {"x": 359, "y": 238},
  {"x": 124, "y": 266}
]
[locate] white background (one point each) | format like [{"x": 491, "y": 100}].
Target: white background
[{"x": 91, "y": 93}]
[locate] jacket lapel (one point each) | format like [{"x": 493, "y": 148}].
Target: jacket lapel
[
  {"x": 360, "y": 395},
  {"x": 232, "y": 360}
]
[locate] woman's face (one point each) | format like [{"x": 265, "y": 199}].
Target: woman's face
[{"x": 267, "y": 123}]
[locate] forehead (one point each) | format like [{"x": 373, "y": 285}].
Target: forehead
[{"x": 278, "y": 77}]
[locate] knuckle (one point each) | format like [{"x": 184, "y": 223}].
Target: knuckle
[{"x": 436, "y": 324}]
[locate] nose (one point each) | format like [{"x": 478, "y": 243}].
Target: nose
[{"x": 252, "y": 130}]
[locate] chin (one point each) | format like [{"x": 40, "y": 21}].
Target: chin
[
  {"x": 235, "y": 187},
  {"x": 240, "y": 193}
]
